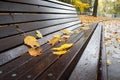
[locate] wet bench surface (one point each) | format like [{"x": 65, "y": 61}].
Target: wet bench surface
[{"x": 49, "y": 17}]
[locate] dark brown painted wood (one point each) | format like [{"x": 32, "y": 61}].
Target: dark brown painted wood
[
  {"x": 22, "y": 59},
  {"x": 43, "y": 3},
  {"x": 33, "y": 61},
  {"x": 59, "y": 68},
  {"x": 9, "y": 55},
  {"x": 46, "y": 63},
  {"x": 23, "y": 18},
  {"x": 10, "y": 30},
  {"x": 22, "y": 8},
  {"x": 17, "y": 40},
  {"x": 58, "y": 2}
]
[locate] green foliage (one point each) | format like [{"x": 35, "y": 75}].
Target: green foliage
[{"x": 109, "y": 7}]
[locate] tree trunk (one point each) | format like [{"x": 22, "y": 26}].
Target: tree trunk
[{"x": 95, "y": 8}]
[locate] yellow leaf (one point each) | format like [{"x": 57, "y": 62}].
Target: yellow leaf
[
  {"x": 31, "y": 41},
  {"x": 118, "y": 39},
  {"x": 65, "y": 31},
  {"x": 34, "y": 52},
  {"x": 64, "y": 38},
  {"x": 54, "y": 40},
  {"x": 76, "y": 31},
  {"x": 60, "y": 52},
  {"x": 107, "y": 44},
  {"x": 107, "y": 38},
  {"x": 63, "y": 47},
  {"x": 84, "y": 28},
  {"x": 115, "y": 32},
  {"x": 38, "y": 33}
]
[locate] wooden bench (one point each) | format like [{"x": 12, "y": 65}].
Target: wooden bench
[{"x": 49, "y": 17}]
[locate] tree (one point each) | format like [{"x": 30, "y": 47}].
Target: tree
[{"x": 95, "y": 8}]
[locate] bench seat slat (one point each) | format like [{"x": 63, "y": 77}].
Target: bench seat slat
[
  {"x": 10, "y": 30},
  {"x": 58, "y": 2},
  {"x": 43, "y": 3},
  {"x": 22, "y": 8},
  {"x": 23, "y": 18}
]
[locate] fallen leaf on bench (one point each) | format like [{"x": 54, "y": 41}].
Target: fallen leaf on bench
[
  {"x": 54, "y": 40},
  {"x": 34, "y": 52},
  {"x": 65, "y": 31},
  {"x": 118, "y": 39},
  {"x": 31, "y": 41},
  {"x": 64, "y": 38},
  {"x": 84, "y": 28},
  {"x": 60, "y": 52},
  {"x": 76, "y": 31},
  {"x": 38, "y": 34},
  {"x": 108, "y": 62},
  {"x": 63, "y": 47}
]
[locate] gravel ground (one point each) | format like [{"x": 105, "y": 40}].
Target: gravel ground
[{"x": 112, "y": 42}]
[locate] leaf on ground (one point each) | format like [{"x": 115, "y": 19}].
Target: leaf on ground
[
  {"x": 63, "y": 47},
  {"x": 109, "y": 62},
  {"x": 31, "y": 41},
  {"x": 54, "y": 40},
  {"x": 115, "y": 32},
  {"x": 118, "y": 39},
  {"x": 107, "y": 44},
  {"x": 118, "y": 61},
  {"x": 38, "y": 34},
  {"x": 60, "y": 52},
  {"x": 107, "y": 38},
  {"x": 34, "y": 52},
  {"x": 65, "y": 31}
]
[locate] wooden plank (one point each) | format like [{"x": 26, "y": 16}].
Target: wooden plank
[
  {"x": 10, "y": 30},
  {"x": 61, "y": 68},
  {"x": 17, "y": 40},
  {"x": 13, "y": 53},
  {"x": 87, "y": 66},
  {"x": 35, "y": 61},
  {"x": 43, "y": 3},
  {"x": 22, "y": 8},
  {"x": 58, "y": 2},
  {"x": 102, "y": 69},
  {"x": 22, "y": 18}
]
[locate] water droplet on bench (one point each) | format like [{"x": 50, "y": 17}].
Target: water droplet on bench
[
  {"x": 13, "y": 75},
  {"x": 29, "y": 76},
  {"x": 50, "y": 74},
  {"x": 1, "y": 72}
]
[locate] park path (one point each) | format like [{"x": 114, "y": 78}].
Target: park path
[{"x": 112, "y": 42}]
